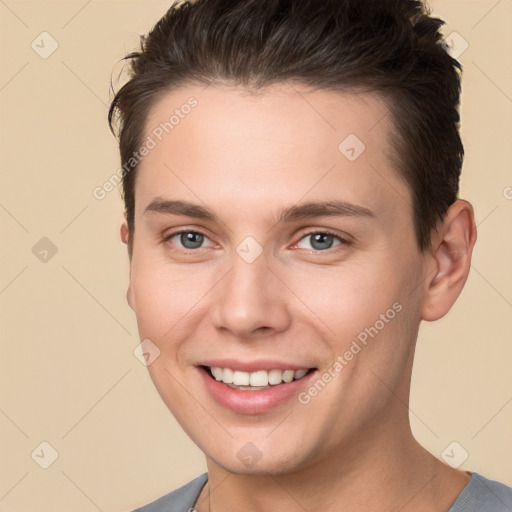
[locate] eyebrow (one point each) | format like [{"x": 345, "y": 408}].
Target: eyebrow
[{"x": 290, "y": 214}]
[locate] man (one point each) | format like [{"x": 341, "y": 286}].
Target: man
[{"x": 290, "y": 180}]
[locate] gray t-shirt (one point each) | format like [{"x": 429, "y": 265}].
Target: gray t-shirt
[{"x": 479, "y": 495}]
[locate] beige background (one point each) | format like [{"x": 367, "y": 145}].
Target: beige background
[{"x": 68, "y": 375}]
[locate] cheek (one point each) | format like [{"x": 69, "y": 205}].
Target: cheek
[
  {"x": 349, "y": 298},
  {"x": 167, "y": 297},
  {"x": 369, "y": 317}
]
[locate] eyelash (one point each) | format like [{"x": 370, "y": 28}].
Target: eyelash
[{"x": 343, "y": 241}]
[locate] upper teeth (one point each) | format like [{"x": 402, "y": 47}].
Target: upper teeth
[{"x": 259, "y": 378}]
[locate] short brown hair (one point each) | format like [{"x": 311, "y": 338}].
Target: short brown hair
[{"x": 393, "y": 47}]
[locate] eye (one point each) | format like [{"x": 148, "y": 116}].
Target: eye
[
  {"x": 322, "y": 240},
  {"x": 188, "y": 240}
]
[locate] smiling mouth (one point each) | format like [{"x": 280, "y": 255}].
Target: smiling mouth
[{"x": 255, "y": 381}]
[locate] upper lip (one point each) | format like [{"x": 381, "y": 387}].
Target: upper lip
[{"x": 253, "y": 366}]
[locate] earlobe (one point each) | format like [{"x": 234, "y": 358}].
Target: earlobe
[
  {"x": 125, "y": 237},
  {"x": 124, "y": 232},
  {"x": 451, "y": 254}
]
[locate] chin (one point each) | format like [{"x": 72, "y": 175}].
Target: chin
[
  {"x": 271, "y": 466},
  {"x": 258, "y": 457}
]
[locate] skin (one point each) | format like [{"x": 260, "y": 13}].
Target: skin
[{"x": 246, "y": 157}]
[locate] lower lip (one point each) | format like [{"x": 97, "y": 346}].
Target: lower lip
[{"x": 253, "y": 402}]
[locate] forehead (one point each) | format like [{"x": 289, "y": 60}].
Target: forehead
[{"x": 284, "y": 143}]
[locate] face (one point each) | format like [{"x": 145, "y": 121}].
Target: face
[{"x": 274, "y": 240}]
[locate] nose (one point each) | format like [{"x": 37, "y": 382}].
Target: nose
[{"x": 251, "y": 301}]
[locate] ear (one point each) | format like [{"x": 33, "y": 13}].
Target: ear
[
  {"x": 451, "y": 250},
  {"x": 125, "y": 238},
  {"x": 124, "y": 232}
]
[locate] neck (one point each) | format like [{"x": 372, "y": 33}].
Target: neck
[{"x": 395, "y": 473}]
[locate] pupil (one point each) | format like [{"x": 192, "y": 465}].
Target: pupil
[
  {"x": 191, "y": 240},
  {"x": 324, "y": 240}
]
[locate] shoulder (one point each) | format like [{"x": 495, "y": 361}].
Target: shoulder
[
  {"x": 483, "y": 495},
  {"x": 179, "y": 500}
]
